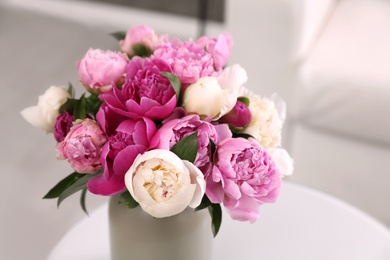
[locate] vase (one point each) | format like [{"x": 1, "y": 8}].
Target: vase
[{"x": 136, "y": 235}]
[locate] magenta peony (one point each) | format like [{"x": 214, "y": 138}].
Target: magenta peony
[
  {"x": 82, "y": 146},
  {"x": 145, "y": 93},
  {"x": 240, "y": 116},
  {"x": 62, "y": 126},
  {"x": 244, "y": 176},
  {"x": 126, "y": 139}
]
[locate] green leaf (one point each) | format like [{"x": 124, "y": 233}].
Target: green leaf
[
  {"x": 71, "y": 90},
  {"x": 141, "y": 50},
  {"x": 128, "y": 200},
  {"x": 93, "y": 104},
  {"x": 80, "y": 109},
  {"x": 75, "y": 187},
  {"x": 82, "y": 200},
  {"x": 213, "y": 147},
  {"x": 244, "y": 100},
  {"x": 216, "y": 217},
  {"x": 68, "y": 106},
  {"x": 243, "y": 135},
  {"x": 175, "y": 82},
  {"x": 204, "y": 203},
  {"x": 187, "y": 147},
  {"x": 60, "y": 187},
  {"x": 120, "y": 35}
]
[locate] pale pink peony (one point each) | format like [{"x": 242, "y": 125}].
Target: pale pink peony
[
  {"x": 141, "y": 34},
  {"x": 82, "y": 146},
  {"x": 174, "y": 130},
  {"x": 145, "y": 93},
  {"x": 188, "y": 60},
  {"x": 99, "y": 69},
  {"x": 218, "y": 48},
  {"x": 244, "y": 176},
  {"x": 126, "y": 139}
]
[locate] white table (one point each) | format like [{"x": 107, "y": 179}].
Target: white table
[{"x": 304, "y": 224}]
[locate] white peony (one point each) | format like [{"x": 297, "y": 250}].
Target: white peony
[
  {"x": 44, "y": 114},
  {"x": 215, "y": 96},
  {"x": 267, "y": 119},
  {"x": 283, "y": 161},
  {"x": 163, "y": 184}
]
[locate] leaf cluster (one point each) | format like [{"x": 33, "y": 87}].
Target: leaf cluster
[
  {"x": 82, "y": 107},
  {"x": 71, "y": 184}
]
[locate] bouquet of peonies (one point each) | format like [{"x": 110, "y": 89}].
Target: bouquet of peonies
[{"x": 167, "y": 125}]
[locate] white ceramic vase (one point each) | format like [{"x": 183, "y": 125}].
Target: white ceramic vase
[{"x": 135, "y": 235}]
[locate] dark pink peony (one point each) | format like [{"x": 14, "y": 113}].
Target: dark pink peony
[
  {"x": 82, "y": 146},
  {"x": 126, "y": 139},
  {"x": 145, "y": 93},
  {"x": 244, "y": 176},
  {"x": 174, "y": 130},
  {"x": 240, "y": 116},
  {"x": 62, "y": 126}
]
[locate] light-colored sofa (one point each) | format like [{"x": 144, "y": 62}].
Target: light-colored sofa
[{"x": 340, "y": 134}]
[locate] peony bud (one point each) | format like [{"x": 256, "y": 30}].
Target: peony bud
[
  {"x": 240, "y": 116},
  {"x": 138, "y": 36},
  {"x": 62, "y": 126},
  {"x": 215, "y": 96},
  {"x": 44, "y": 114}
]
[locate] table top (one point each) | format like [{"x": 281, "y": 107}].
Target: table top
[{"x": 304, "y": 224}]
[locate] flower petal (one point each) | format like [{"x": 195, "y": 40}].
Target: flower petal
[
  {"x": 33, "y": 116},
  {"x": 231, "y": 79},
  {"x": 197, "y": 178}
]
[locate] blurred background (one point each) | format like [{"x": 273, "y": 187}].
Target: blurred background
[{"x": 328, "y": 59}]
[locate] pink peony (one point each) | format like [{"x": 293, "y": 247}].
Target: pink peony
[
  {"x": 145, "y": 93},
  {"x": 188, "y": 60},
  {"x": 62, "y": 126},
  {"x": 218, "y": 48},
  {"x": 82, "y": 146},
  {"x": 244, "y": 176},
  {"x": 174, "y": 130},
  {"x": 141, "y": 34},
  {"x": 99, "y": 69},
  {"x": 126, "y": 139}
]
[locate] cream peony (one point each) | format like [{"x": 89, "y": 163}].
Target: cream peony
[
  {"x": 215, "y": 96},
  {"x": 163, "y": 184},
  {"x": 283, "y": 161},
  {"x": 267, "y": 119},
  {"x": 44, "y": 114}
]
